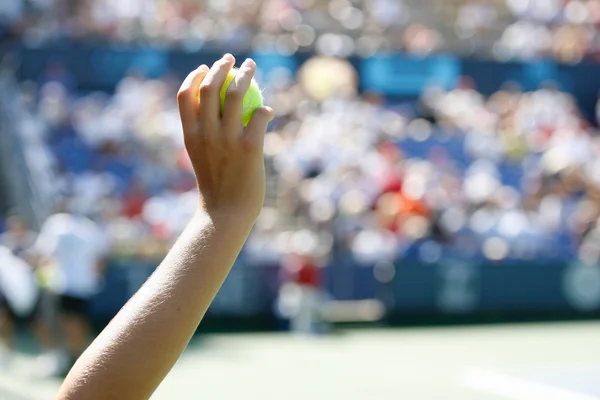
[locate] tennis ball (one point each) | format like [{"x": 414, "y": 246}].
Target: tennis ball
[{"x": 252, "y": 100}]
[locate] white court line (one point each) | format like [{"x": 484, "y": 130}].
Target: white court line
[{"x": 517, "y": 388}]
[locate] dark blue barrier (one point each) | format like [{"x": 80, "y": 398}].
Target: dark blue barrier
[
  {"x": 247, "y": 290},
  {"x": 461, "y": 287},
  {"x": 93, "y": 67},
  {"x": 452, "y": 287},
  {"x": 121, "y": 280},
  {"x": 415, "y": 288},
  {"x": 519, "y": 288}
]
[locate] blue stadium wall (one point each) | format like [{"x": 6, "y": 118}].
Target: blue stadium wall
[{"x": 97, "y": 67}]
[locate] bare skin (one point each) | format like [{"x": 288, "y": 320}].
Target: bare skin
[{"x": 131, "y": 357}]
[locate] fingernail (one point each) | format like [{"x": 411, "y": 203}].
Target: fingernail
[
  {"x": 249, "y": 63},
  {"x": 203, "y": 67},
  {"x": 228, "y": 57}
]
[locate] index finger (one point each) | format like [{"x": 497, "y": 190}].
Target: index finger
[{"x": 187, "y": 97}]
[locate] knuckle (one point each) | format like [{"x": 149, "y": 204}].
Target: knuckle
[
  {"x": 244, "y": 74},
  {"x": 207, "y": 137},
  {"x": 222, "y": 62},
  {"x": 235, "y": 95},
  {"x": 218, "y": 65},
  {"x": 207, "y": 90},
  {"x": 197, "y": 142},
  {"x": 229, "y": 143},
  {"x": 251, "y": 145},
  {"x": 183, "y": 92}
]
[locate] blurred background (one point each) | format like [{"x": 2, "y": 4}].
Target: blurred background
[{"x": 433, "y": 178}]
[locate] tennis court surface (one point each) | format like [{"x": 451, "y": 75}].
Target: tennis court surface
[{"x": 537, "y": 361}]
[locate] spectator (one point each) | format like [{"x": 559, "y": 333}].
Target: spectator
[
  {"x": 18, "y": 300},
  {"x": 300, "y": 295},
  {"x": 17, "y": 238},
  {"x": 72, "y": 250}
]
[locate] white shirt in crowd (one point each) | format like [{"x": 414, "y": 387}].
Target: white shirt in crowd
[
  {"x": 17, "y": 282},
  {"x": 75, "y": 244}
]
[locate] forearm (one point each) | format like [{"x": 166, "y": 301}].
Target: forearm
[{"x": 138, "y": 348}]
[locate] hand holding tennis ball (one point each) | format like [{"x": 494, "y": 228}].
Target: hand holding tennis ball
[
  {"x": 224, "y": 125},
  {"x": 252, "y": 99}
]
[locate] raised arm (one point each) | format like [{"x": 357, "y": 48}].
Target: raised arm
[{"x": 130, "y": 358}]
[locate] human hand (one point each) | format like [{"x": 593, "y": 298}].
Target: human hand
[{"x": 227, "y": 158}]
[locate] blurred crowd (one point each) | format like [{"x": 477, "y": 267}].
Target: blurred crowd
[
  {"x": 563, "y": 29},
  {"x": 332, "y": 27},
  {"x": 504, "y": 29},
  {"x": 455, "y": 174},
  {"x": 511, "y": 176}
]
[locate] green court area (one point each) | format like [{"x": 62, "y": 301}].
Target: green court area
[{"x": 524, "y": 361}]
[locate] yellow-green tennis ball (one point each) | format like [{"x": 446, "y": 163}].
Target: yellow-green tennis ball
[{"x": 252, "y": 100}]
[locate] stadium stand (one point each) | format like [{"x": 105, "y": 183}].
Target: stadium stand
[
  {"x": 511, "y": 171},
  {"x": 565, "y": 30}
]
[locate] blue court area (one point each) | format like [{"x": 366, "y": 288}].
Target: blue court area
[{"x": 541, "y": 361}]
